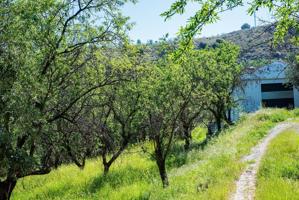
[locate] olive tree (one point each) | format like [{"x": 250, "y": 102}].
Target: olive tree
[
  {"x": 120, "y": 122},
  {"x": 212, "y": 76},
  {"x": 163, "y": 108},
  {"x": 164, "y": 99},
  {"x": 222, "y": 77}
]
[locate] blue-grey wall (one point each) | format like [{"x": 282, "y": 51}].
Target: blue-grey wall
[{"x": 249, "y": 95}]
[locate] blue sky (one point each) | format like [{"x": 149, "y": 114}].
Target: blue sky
[{"x": 149, "y": 24}]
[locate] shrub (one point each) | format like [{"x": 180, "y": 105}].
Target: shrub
[
  {"x": 245, "y": 26},
  {"x": 202, "y": 45}
]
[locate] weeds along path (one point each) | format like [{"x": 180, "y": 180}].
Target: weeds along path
[{"x": 245, "y": 186}]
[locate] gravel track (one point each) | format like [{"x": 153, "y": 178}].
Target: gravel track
[{"x": 246, "y": 185}]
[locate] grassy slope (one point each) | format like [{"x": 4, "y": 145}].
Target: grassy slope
[
  {"x": 199, "y": 174},
  {"x": 278, "y": 177}
]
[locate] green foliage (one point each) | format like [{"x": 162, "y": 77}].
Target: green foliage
[
  {"x": 78, "y": 89},
  {"x": 73, "y": 88},
  {"x": 276, "y": 117},
  {"x": 293, "y": 70},
  {"x": 199, "y": 134},
  {"x": 52, "y": 59},
  {"x": 215, "y": 74},
  {"x": 207, "y": 14},
  {"x": 178, "y": 93},
  {"x": 279, "y": 171}
]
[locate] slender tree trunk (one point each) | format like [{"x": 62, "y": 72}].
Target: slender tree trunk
[
  {"x": 162, "y": 171},
  {"x": 106, "y": 168},
  {"x": 187, "y": 137},
  {"x": 106, "y": 163},
  {"x": 187, "y": 143},
  {"x": 218, "y": 117},
  {"x": 210, "y": 130},
  {"x": 160, "y": 160},
  {"x": 229, "y": 117},
  {"x": 218, "y": 123},
  {"x": 6, "y": 188}
]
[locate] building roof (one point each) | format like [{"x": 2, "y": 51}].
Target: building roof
[{"x": 275, "y": 70}]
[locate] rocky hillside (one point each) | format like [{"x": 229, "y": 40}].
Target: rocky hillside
[{"x": 256, "y": 44}]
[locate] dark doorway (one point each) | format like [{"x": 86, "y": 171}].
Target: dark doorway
[
  {"x": 277, "y": 95},
  {"x": 276, "y": 87}
]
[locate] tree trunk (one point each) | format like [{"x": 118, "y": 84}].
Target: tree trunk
[
  {"x": 187, "y": 137},
  {"x": 229, "y": 117},
  {"x": 160, "y": 160},
  {"x": 6, "y": 188},
  {"x": 160, "y": 157},
  {"x": 106, "y": 163},
  {"x": 210, "y": 130},
  {"x": 187, "y": 143},
  {"x": 162, "y": 171},
  {"x": 218, "y": 123},
  {"x": 106, "y": 168}
]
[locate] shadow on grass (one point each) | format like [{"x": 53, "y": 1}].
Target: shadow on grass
[
  {"x": 128, "y": 175},
  {"x": 179, "y": 155},
  {"x": 53, "y": 193},
  {"x": 120, "y": 177}
]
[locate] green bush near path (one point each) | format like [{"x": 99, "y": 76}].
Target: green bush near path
[
  {"x": 201, "y": 173},
  {"x": 278, "y": 177}
]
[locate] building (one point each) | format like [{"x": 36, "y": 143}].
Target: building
[{"x": 266, "y": 87}]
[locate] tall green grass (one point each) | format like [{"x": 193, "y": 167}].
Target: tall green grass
[
  {"x": 207, "y": 172},
  {"x": 278, "y": 178}
]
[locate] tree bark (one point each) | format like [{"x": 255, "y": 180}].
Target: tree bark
[
  {"x": 187, "y": 143},
  {"x": 6, "y": 188},
  {"x": 163, "y": 173},
  {"x": 218, "y": 123},
  {"x": 106, "y": 163},
  {"x": 160, "y": 160},
  {"x": 106, "y": 168},
  {"x": 229, "y": 117},
  {"x": 187, "y": 137}
]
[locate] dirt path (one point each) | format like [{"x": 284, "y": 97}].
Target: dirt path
[{"x": 247, "y": 181}]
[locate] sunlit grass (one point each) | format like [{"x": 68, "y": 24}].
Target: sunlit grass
[
  {"x": 204, "y": 172},
  {"x": 278, "y": 177}
]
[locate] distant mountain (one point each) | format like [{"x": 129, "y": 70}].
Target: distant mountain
[{"x": 256, "y": 44}]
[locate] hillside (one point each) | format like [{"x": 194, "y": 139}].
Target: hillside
[
  {"x": 256, "y": 44},
  {"x": 202, "y": 173}
]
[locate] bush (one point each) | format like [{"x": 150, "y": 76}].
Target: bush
[
  {"x": 245, "y": 26},
  {"x": 202, "y": 45}
]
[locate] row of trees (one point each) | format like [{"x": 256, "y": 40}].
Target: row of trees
[{"x": 72, "y": 87}]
